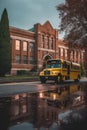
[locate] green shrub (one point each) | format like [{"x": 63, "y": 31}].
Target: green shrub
[{"x": 21, "y": 72}]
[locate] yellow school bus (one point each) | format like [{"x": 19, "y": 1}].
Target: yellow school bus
[{"x": 59, "y": 70}]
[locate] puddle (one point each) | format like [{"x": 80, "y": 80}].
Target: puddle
[{"x": 56, "y": 109}]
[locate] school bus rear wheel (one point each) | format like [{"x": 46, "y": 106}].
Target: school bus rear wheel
[{"x": 78, "y": 78}]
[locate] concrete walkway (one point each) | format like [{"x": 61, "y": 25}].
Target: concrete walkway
[{"x": 3, "y": 80}]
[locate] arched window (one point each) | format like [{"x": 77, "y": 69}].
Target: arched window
[
  {"x": 47, "y": 42},
  {"x": 43, "y": 40},
  {"x": 52, "y": 43}
]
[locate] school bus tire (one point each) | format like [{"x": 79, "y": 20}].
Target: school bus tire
[
  {"x": 78, "y": 78},
  {"x": 59, "y": 79},
  {"x": 43, "y": 80}
]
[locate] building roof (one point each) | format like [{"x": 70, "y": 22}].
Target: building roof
[{"x": 31, "y": 29}]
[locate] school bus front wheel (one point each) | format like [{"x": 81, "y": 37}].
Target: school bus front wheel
[
  {"x": 42, "y": 79},
  {"x": 59, "y": 79}
]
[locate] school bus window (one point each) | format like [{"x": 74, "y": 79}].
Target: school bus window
[
  {"x": 75, "y": 67},
  {"x": 54, "y": 65}
]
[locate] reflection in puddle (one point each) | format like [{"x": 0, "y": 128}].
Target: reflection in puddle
[{"x": 55, "y": 109}]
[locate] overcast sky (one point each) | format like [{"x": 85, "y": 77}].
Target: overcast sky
[{"x": 25, "y": 13}]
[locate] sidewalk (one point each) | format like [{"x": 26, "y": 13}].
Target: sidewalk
[
  {"x": 5, "y": 80},
  {"x": 83, "y": 78}
]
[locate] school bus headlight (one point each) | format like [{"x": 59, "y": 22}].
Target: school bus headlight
[{"x": 42, "y": 73}]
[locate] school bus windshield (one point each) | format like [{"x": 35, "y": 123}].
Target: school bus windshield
[{"x": 53, "y": 64}]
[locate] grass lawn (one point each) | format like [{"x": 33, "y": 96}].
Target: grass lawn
[{"x": 19, "y": 78}]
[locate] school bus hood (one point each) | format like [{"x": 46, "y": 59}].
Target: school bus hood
[{"x": 52, "y": 69}]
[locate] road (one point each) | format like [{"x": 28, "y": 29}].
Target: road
[{"x": 15, "y": 88}]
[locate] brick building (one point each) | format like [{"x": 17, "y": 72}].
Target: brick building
[{"x": 31, "y": 48}]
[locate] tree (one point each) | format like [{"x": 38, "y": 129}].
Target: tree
[
  {"x": 5, "y": 45},
  {"x": 73, "y": 14}
]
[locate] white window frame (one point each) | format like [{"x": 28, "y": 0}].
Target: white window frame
[
  {"x": 17, "y": 44},
  {"x": 25, "y": 44}
]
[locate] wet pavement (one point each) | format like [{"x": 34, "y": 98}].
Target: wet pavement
[{"x": 63, "y": 107}]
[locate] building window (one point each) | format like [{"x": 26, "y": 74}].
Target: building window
[
  {"x": 43, "y": 41},
  {"x": 72, "y": 55},
  {"x": 24, "y": 46},
  {"x": 76, "y": 56},
  {"x": 31, "y": 47},
  {"x": 82, "y": 56},
  {"x": 62, "y": 52},
  {"x": 31, "y": 60},
  {"x": 59, "y": 52},
  {"x": 17, "y": 46},
  {"x": 52, "y": 44},
  {"x": 18, "y": 59},
  {"x": 25, "y": 60},
  {"x": 66, "y": 53},
  {"x": 47, "y": 42}
]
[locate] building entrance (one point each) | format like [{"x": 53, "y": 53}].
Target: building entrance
[{"x": 47, "y": 57}]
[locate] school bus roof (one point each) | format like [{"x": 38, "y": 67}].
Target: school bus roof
[
  {"x": 77, "y": 64},
  {"x": 73, "y": 63}
]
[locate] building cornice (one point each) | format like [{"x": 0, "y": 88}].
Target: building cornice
[
  {"x": 11, "y": 27},
  {"x": 21, "y": 38},
  {"x": 43, "y": 49}
]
